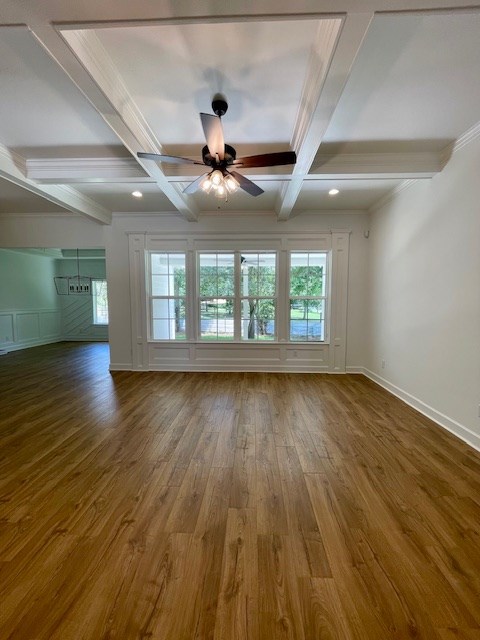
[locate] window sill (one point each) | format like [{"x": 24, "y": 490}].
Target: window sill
[{"x": 260, "y": 343}]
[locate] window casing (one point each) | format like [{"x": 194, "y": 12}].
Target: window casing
[{"x": 100, "y": 302}]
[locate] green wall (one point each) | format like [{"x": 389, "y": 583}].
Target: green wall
[
  {"x": 77, "y": 310},
  {"x": 26, "y": 281},
  {"x": 31, "y": 312}
]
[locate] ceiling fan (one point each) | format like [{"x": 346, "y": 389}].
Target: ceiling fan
[{"x": 221, "y": 158}]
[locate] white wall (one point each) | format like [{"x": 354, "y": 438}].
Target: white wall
[
  {"x": 63, "y": 230},
  {"x": 29, "y": 306},
  {"x": 118, "y": 268},
  {"x": 424, "y": 295}
]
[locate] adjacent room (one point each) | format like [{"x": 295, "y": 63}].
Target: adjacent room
[{"x": 240, "y": 320}]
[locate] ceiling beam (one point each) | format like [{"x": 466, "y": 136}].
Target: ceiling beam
[
  {"x": 77, "y": 170},
  {"x": 372, "y": 166},
  {"x": 333, "y": 54},
  {"x": 13, "y": 169},
  {"x": 88, "y": 65},
  {"x": 340, "y": 166}
]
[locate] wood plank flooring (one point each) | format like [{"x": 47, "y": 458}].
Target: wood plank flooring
[{"x": 182, "y": 506}]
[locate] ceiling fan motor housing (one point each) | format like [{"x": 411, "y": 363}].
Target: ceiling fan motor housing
[
  {"x": 210, "y": 161},
  {"x": 219, "y": 105}
]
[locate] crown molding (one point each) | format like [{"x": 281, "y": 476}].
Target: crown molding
[
  {"x": 444, "y": 156},
  {"x": 470, "y": 135},
  {"x": 403, "y": 186}
]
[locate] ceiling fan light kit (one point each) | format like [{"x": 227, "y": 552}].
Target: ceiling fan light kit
[
  {"x": 221, "y": 182},
  {"x": 220, "y": 156}
]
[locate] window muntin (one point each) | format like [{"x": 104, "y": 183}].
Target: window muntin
[
  {"x": 100, "y": 302},
  {"x": 307, "y": 301},
  {"x": 168, "y": 296}
]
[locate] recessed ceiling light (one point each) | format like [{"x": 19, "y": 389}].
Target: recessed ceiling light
[
  {"x": 333, "y": 192},
  {"x": 137, "y": 194}
]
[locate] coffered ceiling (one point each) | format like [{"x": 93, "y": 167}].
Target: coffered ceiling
[{"x": 367, "y": 98}]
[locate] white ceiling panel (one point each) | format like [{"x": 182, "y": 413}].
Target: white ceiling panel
[
  {"x": 353, "y": 194},
  {"x": 117, "y": 197},
  {"x": 416, "y": 78},
  {"x": 39, "y": 105},
  {"x": 172, "y": 72}
]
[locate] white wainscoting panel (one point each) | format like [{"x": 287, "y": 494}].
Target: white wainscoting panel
[
  {"x": 27, "y": 326},
  {"x": 237, "y": 357},
  {"x": 301, "y": 355},
  {"x": 20, "y": 329},
  {"x": 50, "y": 325},
  {"x": 6, "y": 328},
  {"x": 160, "y": 354}
]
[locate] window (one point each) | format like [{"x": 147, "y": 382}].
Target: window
[
  {"x": 258, "y": 290},
  {"x": 308, "y": 271},
  {"x": 217, "y": 295},
  {"x": 237, "y": 295},
  {"x": 233, "y": 295},
  {"x": 167, "y": 299},
  {"x": 100, "y": 302}
]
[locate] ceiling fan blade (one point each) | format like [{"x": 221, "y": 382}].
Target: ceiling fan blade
[
  {"x": 195, "y": 185},
  {"x": 213, "y": 130},
  {"x": 246, "y": 184},
  {"x": 171, "y": 159},
  {"x": 267, "y": 160}
]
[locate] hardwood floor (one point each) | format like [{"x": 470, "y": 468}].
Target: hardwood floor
[{"x": 174, "y": 506}]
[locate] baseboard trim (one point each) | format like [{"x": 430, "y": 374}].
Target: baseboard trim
[
  {"x": 83, "y": 339},
  {"x": 9, "y": 347},
  {"x": 353, "y": 369},
  {"x": 204, "y": 368},
  {"x": 439, "y": 418},
  {"x": 118, "y": 366}
]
